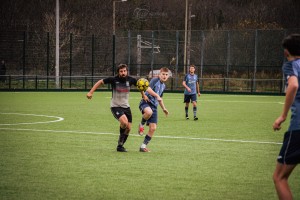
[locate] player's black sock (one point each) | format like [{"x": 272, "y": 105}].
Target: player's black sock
[
  {"x": 147, "y": 139},
  {"x": 195, "y": 111},
  {"x": 123, "y": 137},
  {"x": 143, "y": 122},
  {"x": 186, "y": 111}
]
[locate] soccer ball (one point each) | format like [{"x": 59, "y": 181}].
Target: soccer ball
[{"x": 142, "y": 84}]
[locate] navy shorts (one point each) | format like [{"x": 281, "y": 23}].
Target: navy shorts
[
  {"x": 153, "y": 118},
  {"x": 189, "y": 98},
  {"x": 290, "y": 150},
  {"x": 119, "y": 111}
]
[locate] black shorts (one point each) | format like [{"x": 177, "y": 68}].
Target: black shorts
[
  {"x": 290, "y": 150},
  {"x": 190, "y": 98},
  {"x": 119, "y": 111}
]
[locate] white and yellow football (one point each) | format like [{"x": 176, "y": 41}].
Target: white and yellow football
[{"x": 142, "y": 84}]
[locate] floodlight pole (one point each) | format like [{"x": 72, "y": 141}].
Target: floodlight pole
[
  {"x": 57, "y": 46},
  {"x": 188, "y": 56},
  {"x": 114, "y": 34},
  {"x": 189, "y": 36},
  {"x": 185, "y": 35}
]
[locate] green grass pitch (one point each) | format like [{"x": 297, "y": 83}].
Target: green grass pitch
[{"x": 59, "y": 145}]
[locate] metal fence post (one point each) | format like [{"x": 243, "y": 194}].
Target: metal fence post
[
  {"x": 177, "y": 52},
  {"x": 255, "y": 60},
  {"x": 24, "y": 57},
  {"x": 36, "y": 82},
  {"x": 228, "y": 59},
  {"x": 139, "y": 55},
  {"x": 201, "y": 58},
  {"x": 71, "y": 61},
  {"x": 114, "y": 55},
  {"x": 129, "y": 50},
  {"x": 93, "y": 52},
  {"x": 48, "y": 58},
  {"x": 152, "y": 56}
]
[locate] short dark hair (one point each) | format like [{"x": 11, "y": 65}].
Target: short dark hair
[
  {"x": 292, "y": 44},
  {"x": 121, "y": 66},
  {"x": 164, "y": 69}
]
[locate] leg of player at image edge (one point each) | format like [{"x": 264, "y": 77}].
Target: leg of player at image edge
[
  {"x": 186, "y": 112},
  {"x": 195, "y": 113},
  {"x": 122, "y": 139},
  {"x": 143, "y": 147}
]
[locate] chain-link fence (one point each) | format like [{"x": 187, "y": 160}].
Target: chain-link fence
[{"x": 226, "y": 61}]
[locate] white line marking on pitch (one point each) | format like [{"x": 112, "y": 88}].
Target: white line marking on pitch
[
  {"x": 45, "y": 122},
  {"x": 158, "y": 136}
]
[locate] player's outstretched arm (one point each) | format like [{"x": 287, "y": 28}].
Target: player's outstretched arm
[
  {"x": 152, "y": 93},
  {"x": 91, "y": 92}
]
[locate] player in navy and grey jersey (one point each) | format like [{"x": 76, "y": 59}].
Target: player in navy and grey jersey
[
  {"x": 191, "y": 85},
  {"x": 120, "y": 90},
  {"x": 119, "y": 103},
  {"x": 289, "y": 155}
]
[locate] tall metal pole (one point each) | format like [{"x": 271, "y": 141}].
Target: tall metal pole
[
  {"x": 114, "y": 35},
  {"x": 185, "y": 35},
  {"x": 188, "y": 56},
  {"x": 139, "y": 55},
  {"x": 57, "y": 46},
  {"x": 202, "y": 54},
  {"x": 255, "y": 60},
  {"x": 129, "y": 52},
  {"x": 114, "y": 38},
  {"x": 114, "y": 17}
]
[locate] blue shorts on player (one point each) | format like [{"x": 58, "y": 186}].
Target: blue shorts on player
[{"x": 143, "y": 105}]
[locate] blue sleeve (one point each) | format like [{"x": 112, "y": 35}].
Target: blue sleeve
[
  {"x": 153, "y": 83},
  {"x": 185, "y": 78},
  {"x": 289, "y": 70}
]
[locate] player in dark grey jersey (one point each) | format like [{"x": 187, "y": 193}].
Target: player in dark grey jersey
[{"x": 119, "y": 104}]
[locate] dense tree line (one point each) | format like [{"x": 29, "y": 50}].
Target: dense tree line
[
  {"x": 95, "y": 16},
  {"x": 27, "y": 40}
]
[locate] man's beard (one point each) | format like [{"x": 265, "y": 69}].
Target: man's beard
[{"x": 123, "y": 78}]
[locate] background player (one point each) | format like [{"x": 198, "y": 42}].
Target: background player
[{"x": 191, "y": 85}]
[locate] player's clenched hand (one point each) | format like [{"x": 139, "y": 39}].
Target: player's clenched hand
[
  {"x": 277, "y": 123},
  {"x": 166, "y": 112},
  {"x": 89, "y": 95}
]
